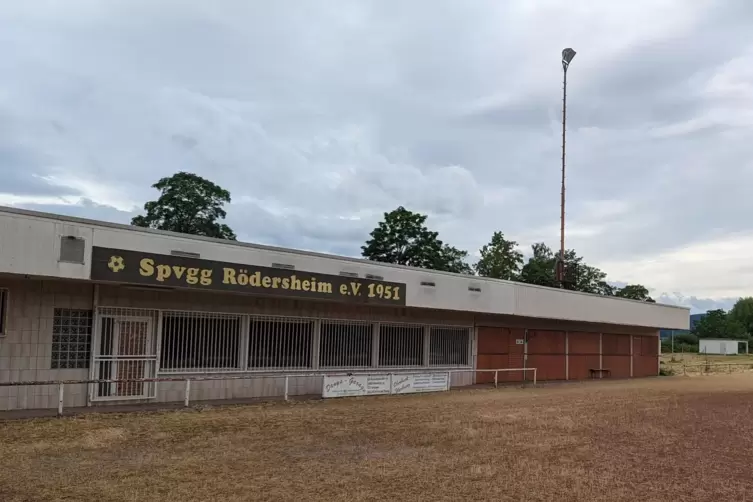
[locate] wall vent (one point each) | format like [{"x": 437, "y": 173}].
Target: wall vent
[
  {"x": 374, "y": 277},
  {"x": 72, "y": 249},
  {"x": 348, "y": 274},
  {"x": 185, "y": 254},
  {"x": 429, "y": 284},
  {"x": 475, "y": 289},
  {"x": 283, "y": 266}
]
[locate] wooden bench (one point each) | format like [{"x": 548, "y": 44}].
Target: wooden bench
[{"x": 599, "y": 371}]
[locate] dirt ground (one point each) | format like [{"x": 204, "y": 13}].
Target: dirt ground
[{"x": 659, "y": 439}]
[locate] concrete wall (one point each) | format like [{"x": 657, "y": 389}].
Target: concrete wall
[{"x": 31, "y": 243}]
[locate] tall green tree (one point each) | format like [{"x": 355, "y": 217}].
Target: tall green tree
[
  {"x": 540, "y": 269},
  {"x": 635, "y": 292},
  {"x": 742, "y": 312},
  {"x": 718, "y": 324},
  {"x": 188, "y": 204},
  {"x": 403, "y": 238},
  {"x": 500, "y": 259}
]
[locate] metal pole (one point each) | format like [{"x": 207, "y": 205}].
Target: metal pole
[
  {"x": 561, "y": 269},
  {"x": 187, "y": 397},
  {"x": 534, "y": 375},
  {"x": 61, "y": 387},
  {"x": 286, "y": 387},
  {"x": 496, "y": 378}
]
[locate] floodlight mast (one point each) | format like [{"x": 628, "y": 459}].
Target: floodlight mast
[{"x": 567, "y": 56}]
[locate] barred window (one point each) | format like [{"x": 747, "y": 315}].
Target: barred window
[
  {"x": 71, "y": 338},
  {"x": 449, "y": 346},
  {"x": 200, "y": 342},
  {"x": 3, "y": 310},
  {"x": 280, "y": 343},
  {"x": 345, "y": 344},
  {"x": 401, "y": 345}
]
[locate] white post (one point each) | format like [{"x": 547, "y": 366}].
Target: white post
[
  {"x": 534, "y": 376},
  {"x": 496, "y": 377},
  {"x": 287, "y": 381},
  {"x": 390, "y": 383},
  {"x": 449, "y": 380},
  {"x": 61, "y": 387},
  {"x": 187, "y": 397}
]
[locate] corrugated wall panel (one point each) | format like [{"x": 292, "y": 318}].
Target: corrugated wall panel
[
  {"x": 619, "y": 366},
  {"x": 493, "y": 340},
  {"x": 645, "y": 366}
]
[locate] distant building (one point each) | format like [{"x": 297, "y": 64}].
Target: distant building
[
  {"x": 694, "y": 318},
  {"x": 721, "y": 346}
]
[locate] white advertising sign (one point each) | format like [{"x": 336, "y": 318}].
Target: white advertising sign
[
  {"x": 372, "y": 385},
  {"x": 355, "y": 385},
  {"x": 427, "y": 382}
]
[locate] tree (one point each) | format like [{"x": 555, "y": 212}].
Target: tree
[
  {"x": 717, "y": 324},
  {"x": 540, "y": 269},
  {"x": 635, "y": 292},
  {"x": 188, "y": 204},
  {"x": 742, "y": 312},
  {"x": 500, "y": 259},
  {"x": 402, "y": 238}
]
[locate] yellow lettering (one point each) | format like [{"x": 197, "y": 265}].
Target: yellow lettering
[
  {"x": 286, "y": 283},
  {"x": 147, "y": 267},
  {"x": 255, "y": 280},
  {"x": 191, "y": 276},
  {"x": 178, "y": 271},
  {"x": 206, "y": 277},
  {"x": 343, "y": 289},
  {"x": 306, "y": 285},
  {"x": 295, "y": 283},
  {"x": 228, "y": 276},
  {"x": 163, "y": 272},
  {"x": 266, "y": 281},
  {"x": 355, "y": 286},
  {"x": 276, "y": 282},
  {"x": 324, "y": 287}
]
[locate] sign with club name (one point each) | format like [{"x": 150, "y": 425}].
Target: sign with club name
[
  {"x": 377, "y": 384},
  {"x": 424, "y": 382},
  {"x": 135, "y": 267},
  {"x": 355, "y": 385}
]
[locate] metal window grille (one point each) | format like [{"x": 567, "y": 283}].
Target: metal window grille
[
  {"x": 3, "y": 310},
  {"x": 280, "y": 343},
  {"x": 71, "y": 338},
  {"x": 345, "y": 344},
  {"x": 200, "y": 342},
  {"x": 449, "y": 346},
  {"x": 401, "y": 345}
]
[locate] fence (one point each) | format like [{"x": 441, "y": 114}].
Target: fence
[
  {"x": 707, "y": 368},
  {"x": 187, "y": 381}
]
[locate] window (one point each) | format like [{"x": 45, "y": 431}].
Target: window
[
  {"x": 3, "y": 311},
  {"x": 401, "y": 345},
  {"x": 279, "y": 343},
  {"x": 448, "y": 346},
  {"x": 193, "y": 341},
  {"x": 71, "y": 338},
  {"x": 345, "y": 344}
]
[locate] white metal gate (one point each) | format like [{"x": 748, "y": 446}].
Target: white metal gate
[{"x": 124, "y": 349}]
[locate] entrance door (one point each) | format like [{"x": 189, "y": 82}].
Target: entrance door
[{"x": 124, "y": 351}]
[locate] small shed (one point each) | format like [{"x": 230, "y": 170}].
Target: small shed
[{"x": 721, "y": 346}]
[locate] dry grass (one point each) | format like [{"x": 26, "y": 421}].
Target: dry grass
[{"x": 651, "y": 440}]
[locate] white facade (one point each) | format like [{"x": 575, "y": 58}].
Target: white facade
[
  {"x": 31, "y": 244},
  {"x": 719, "y": 346}
]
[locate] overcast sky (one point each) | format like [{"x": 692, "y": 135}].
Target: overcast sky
[{"x": 319, "y": 116}]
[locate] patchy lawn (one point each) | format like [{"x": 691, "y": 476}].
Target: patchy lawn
[{"x": 651, "y": 440}]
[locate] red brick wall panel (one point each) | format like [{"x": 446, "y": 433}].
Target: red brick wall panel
[
  {"x": 493, "y": 340},
  {"x": 548, "y": 367},
  {"x": 645, "y": 366},
  {"x": 619, "y": 366},
  {"x": 583, "y": 343},
  {"x": 546, "y": 342},
  {"x": 579, "y": 366},
  {"x": 623, "y": 345}
]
